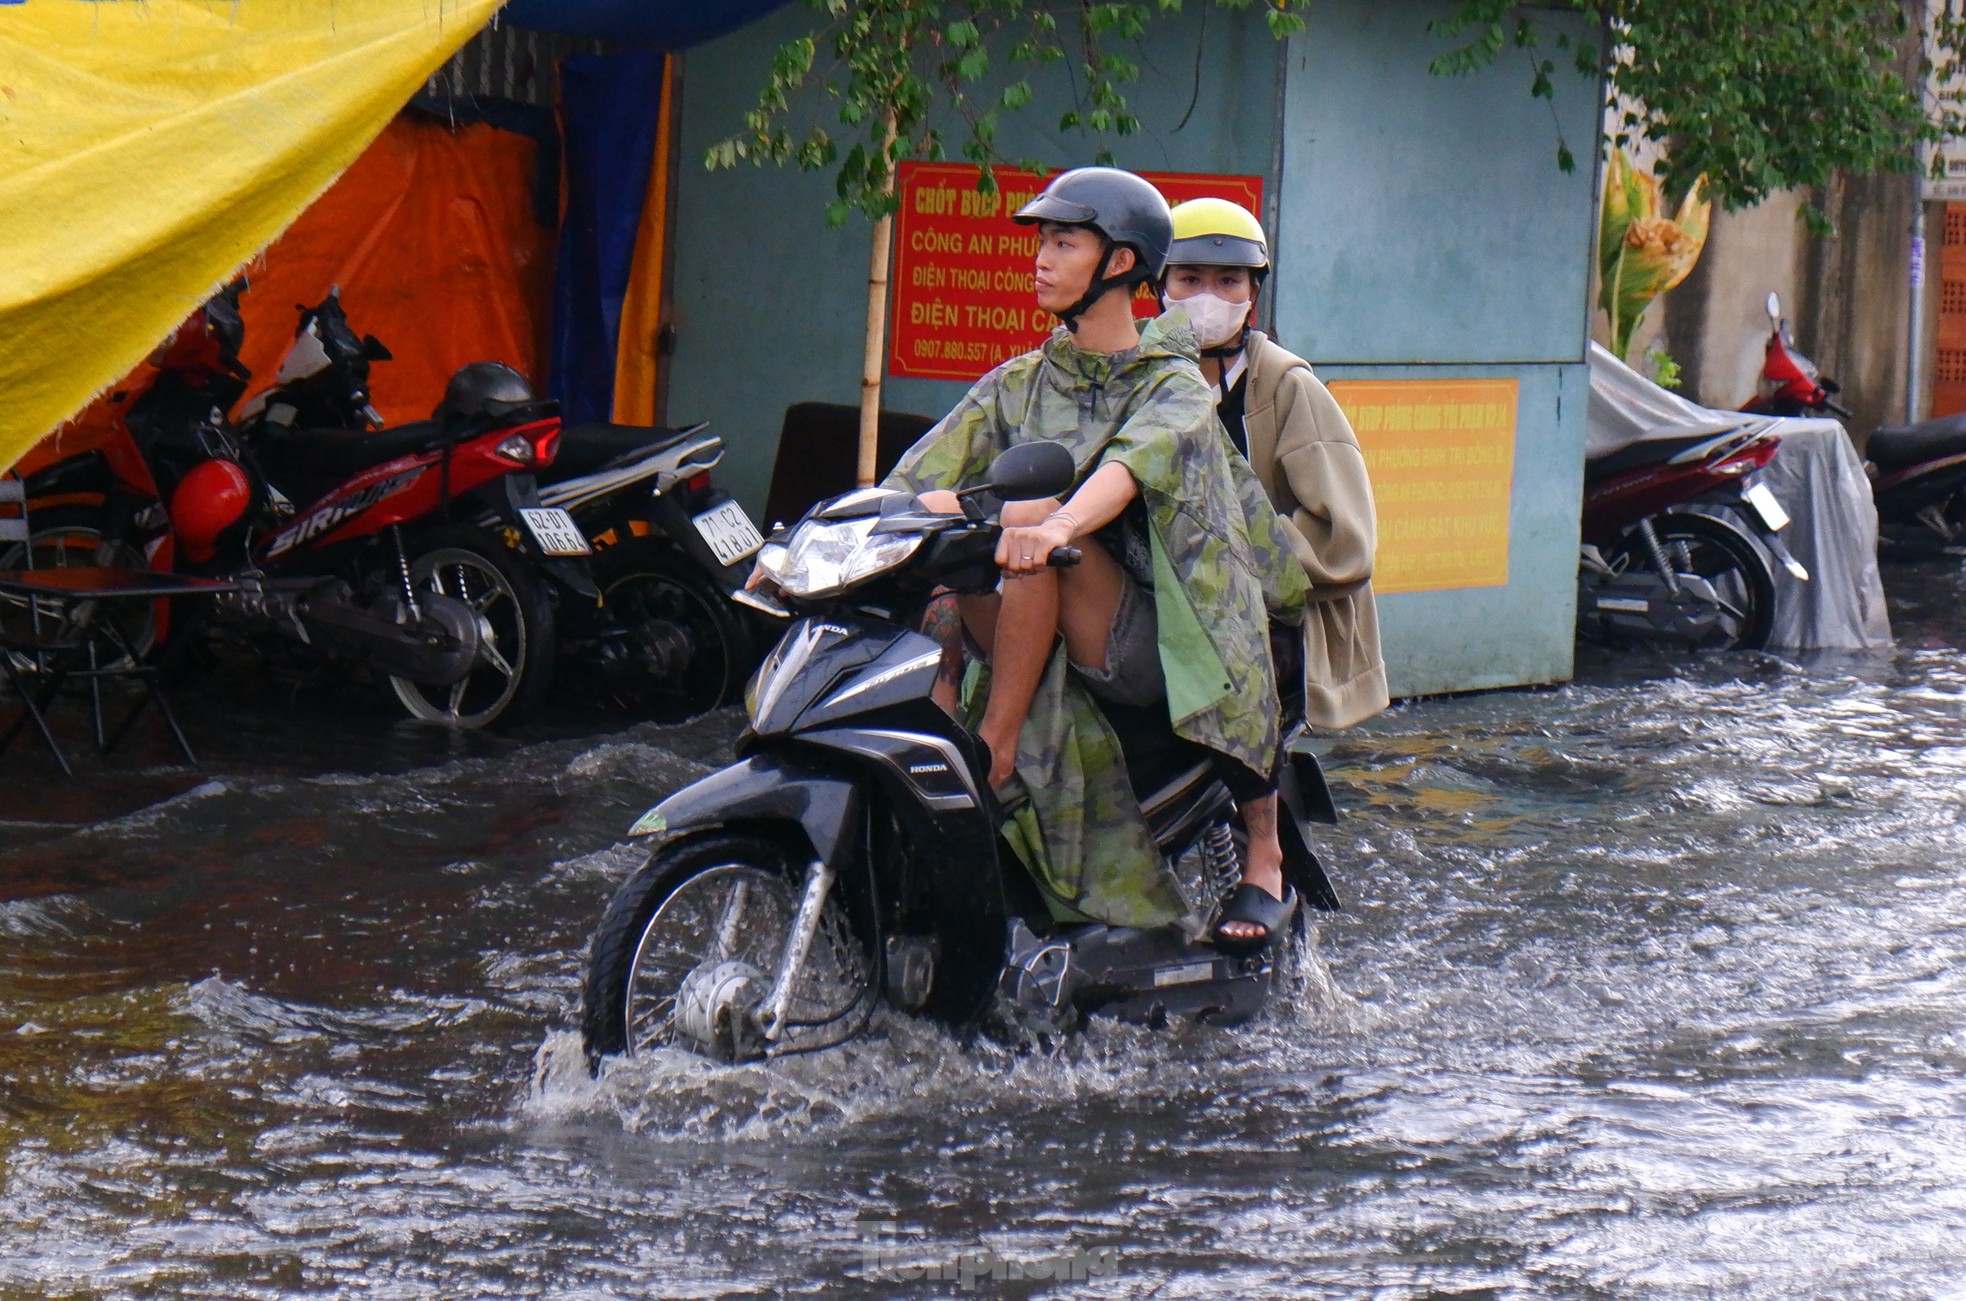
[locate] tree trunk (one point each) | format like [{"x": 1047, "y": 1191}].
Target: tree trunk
[{"x": 873, "y": 364}]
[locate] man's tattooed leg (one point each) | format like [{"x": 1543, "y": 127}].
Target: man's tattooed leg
[{"x": 942, "y": 623}]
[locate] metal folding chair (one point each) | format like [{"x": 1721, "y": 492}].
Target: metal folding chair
[
  {"x": 57, "y": 626},
  {"x": 26, "y": 644}
]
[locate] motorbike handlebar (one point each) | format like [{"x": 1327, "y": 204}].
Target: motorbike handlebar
[
  {"x": 1836, "y": 408},
  {"x": 1063, "y": 557}
]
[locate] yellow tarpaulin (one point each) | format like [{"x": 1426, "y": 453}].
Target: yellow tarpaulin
[{"x": 148, "y": 150}]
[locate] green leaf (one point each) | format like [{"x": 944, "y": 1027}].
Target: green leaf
[{"x": 897, "y": 71}]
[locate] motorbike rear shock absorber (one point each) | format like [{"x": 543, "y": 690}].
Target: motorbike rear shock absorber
[
  {"x": 403, "y": 567},
  {"x": 1221, "y": 865},
  {"x": 1658, "y": 551}
]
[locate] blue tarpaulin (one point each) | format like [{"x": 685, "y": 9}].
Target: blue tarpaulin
[
  {"x": 609, "y": 105},
  {"x": 664, "y": 24}
]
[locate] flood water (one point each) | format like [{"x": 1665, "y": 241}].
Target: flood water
[{"x": 1651, "y": 986}]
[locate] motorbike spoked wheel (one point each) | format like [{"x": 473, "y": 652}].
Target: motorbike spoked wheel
[
  {"x": 1708, "y": 549},
  {"x": 515, "y": 628},
  {"x": 687, "y": 651},
  {"x": 69, "y": 537},
  {"x": 690, "y": 944}
]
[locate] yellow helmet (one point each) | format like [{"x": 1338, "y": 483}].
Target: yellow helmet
[{"x": 1217, "y": 233}]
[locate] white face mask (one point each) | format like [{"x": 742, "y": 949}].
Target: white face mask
[{"x": 1216, "y": 320}]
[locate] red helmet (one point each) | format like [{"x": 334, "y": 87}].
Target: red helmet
[{"x": 210, "y": 499}]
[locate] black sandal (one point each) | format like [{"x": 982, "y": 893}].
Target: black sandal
[{"x": 1252, "y": 904}]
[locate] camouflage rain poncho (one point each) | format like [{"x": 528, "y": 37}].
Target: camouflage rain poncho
[{"x": 1220, "y": 565}]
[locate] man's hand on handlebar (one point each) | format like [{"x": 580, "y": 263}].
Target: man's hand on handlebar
[{"x": 1026, "y": 550}]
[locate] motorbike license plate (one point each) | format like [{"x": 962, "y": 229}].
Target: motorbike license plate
[
  {"x": 555, "y": 532},
  {"x": 729, "y": 532},
  {"x": 1766, "y": 506}
]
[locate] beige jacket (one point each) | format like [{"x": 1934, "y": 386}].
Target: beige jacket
[{"x": 1304, "y": 452}]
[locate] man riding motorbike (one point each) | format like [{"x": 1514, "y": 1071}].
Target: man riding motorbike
[
  {"x": 1184, "y": 564},
  {"x": 1308, "y": 460}
]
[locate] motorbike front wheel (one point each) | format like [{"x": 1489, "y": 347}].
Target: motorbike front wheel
[
  {"x": 515, "y": 630},
  {"x": 1708, "y": 549},
  {"x": 685, "y": 650},
  {"x": 690, "y": 947}
]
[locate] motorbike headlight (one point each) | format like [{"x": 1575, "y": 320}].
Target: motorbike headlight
[{"x": 822, "y": 557}]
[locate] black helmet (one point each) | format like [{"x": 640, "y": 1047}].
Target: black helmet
[
  {"x": 484, "y": 388},
  {"x": 1126, "y": 209}
]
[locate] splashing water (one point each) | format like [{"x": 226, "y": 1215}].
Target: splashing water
[{"x": 1649, "y": 986}]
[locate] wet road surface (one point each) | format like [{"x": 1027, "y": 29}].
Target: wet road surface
[{"x": 1651, "y": 986}]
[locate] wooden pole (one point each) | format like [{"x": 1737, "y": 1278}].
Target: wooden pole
[{"x": 873, "y": 364}]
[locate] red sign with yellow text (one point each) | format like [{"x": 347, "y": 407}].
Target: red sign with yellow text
[{"x": 964, "y": 298}]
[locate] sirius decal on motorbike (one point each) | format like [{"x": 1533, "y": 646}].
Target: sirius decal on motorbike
[{"x": 323, "y": 519}]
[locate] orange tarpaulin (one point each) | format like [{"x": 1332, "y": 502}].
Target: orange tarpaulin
[{"x": 433, "y": 237}]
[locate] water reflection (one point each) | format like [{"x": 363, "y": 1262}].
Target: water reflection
[{"x": 1650, "y": 987}]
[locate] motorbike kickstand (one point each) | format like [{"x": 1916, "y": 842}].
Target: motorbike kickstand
[{"x": 771, "y": 1012}]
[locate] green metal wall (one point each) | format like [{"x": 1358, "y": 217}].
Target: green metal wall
[{"x": 1423, "y": 231}]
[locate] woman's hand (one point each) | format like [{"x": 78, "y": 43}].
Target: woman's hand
[{"x": 1022, "y": 551}]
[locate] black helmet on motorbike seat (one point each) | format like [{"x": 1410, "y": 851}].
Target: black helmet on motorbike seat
[
  {"x": 1126, "y": 210},
  {"x": 484, "y": 388}
]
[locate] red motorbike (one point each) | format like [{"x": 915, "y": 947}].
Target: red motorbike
[
  {"x": 1917, "y": 472},
  {"x": 104, "y": 506},
  {"x": 1678, "y": 535},
  {"x": 1791, "y": 384},
  {"x": 340, "y": 538}
]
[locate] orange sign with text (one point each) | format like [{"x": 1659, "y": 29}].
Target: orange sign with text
[
  {"x": 964, "y": 300},
  {"x": 1441, "y": 454}
]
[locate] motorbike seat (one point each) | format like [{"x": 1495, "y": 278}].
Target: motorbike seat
[
  {"x": 1644, "y": 453},
  {"x": 590, "y": 448},
  {"x": 1901, "y": 446},
  {"x": 308, "y": 463}
]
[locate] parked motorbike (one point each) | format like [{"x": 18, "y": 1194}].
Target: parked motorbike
[
  {"x": 1917, "y": 472},
  {"x": 665, "y": 642},
  {"x": 1677, "y": 535},
  {"x": 651, "y": 619},
  {"x": 1918, "y": 480},
  {"x": 350, "y": 539},
  {"x": 1791, "y": 384},
  {"x": 851, "y": 855},
  {"x": 367, "y": 567},
  {"x": 104, "y": 505}
]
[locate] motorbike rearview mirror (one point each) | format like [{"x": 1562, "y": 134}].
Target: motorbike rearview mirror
[
  {"x": 1774, "y": 309},
  {"x": 1029, "y": 471}
]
